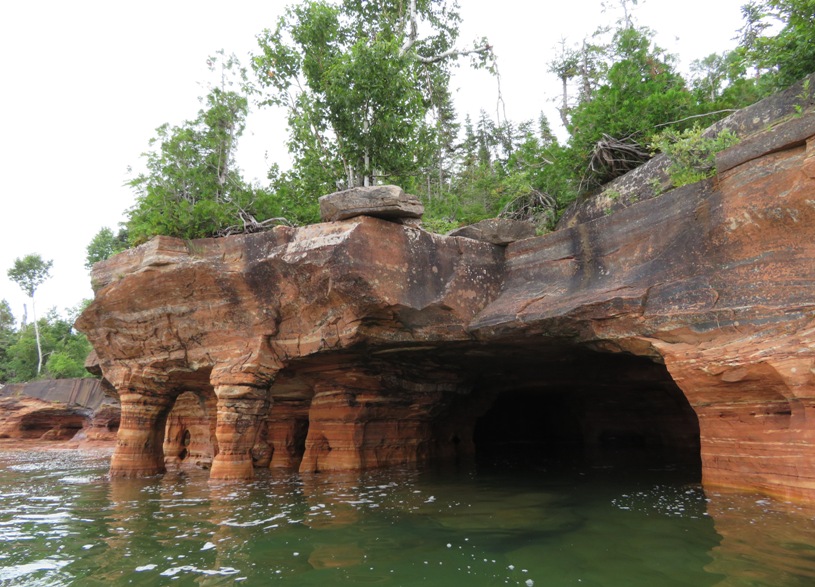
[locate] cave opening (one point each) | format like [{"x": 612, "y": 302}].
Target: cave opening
[
  {"x": 189, "y": 435},
  {"x": 585, "y": 410}
]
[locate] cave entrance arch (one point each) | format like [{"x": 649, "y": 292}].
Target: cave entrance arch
[
  {"x": 189, "y": 434},
  {"x": 587, "y": 409}
]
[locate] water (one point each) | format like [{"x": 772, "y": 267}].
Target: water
[{"x": 63, "y": 522}]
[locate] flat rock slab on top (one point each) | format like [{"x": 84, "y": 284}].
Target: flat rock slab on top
[
  {"x": 498, "y": 231},
  {"x": 383, "y": 201}
]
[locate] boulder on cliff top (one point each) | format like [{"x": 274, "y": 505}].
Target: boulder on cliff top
[
  {"x": 498, "y": 231},
  {"x": 388, "y": 202}
]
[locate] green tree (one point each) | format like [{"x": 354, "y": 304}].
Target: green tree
[
  {"x": 641, "y": 91},
  {"x": 63, "y": 349},
  {"x": 367, "y": 99},
  {"x": 29, "y": 273},
  {"x": 504, "y": 169},
  {"x": 789, "y": 55},
  {"x": 7, "y": 336},
  {"x": 105, "y": 244},
  {"x": 192, "y": 187}
]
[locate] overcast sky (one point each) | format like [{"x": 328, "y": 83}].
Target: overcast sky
[{"x": 87, "y": 82}]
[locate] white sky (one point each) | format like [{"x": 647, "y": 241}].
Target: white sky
[{"x": 87, "y": 82}]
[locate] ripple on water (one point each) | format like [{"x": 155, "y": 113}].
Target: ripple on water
[
  {"x": 13, "y": 572},
  {"x": 394, "y": 529}
]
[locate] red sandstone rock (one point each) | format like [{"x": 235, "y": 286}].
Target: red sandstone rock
[
  {"x": 498, "y": 231},
  {"x": 70, "y": 401},
  {"x": 28, "y": 418},
  {"x": 103, "y": 425},
  {"x": 189, "y": 437},
  {"x": 677, "y": 322},
  {"x": 385, "y": 201}
]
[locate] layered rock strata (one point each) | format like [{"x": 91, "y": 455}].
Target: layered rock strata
[
  {"x": 681, "y": 326},
  {"x": 58, "y": 409},
  {"x": 25, "y": 418}
]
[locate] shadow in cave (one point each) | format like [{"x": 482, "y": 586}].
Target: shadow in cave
[{"x": 587, "y": 412}]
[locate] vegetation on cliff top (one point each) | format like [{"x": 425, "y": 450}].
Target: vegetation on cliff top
[{"x": 366, "y": 89}]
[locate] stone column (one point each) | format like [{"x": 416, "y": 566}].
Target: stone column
[
  {"x": 139, "y": 451},
  {"x": 241, "y": 410}
]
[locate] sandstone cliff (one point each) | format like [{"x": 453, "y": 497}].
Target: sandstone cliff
[
  {"x": 680, "y": 325},
  {"x": 58, "y": 409}
]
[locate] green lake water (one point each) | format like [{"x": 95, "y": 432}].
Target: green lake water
[{"x": 63, "y": 522}]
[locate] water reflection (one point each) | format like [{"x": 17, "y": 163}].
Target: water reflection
[
  {"x": 63, "y": 522},
  {"x": 763, "y": 542}
]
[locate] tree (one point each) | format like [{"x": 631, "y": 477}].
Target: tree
[
  {"x": 29, "y": 273},
  {"x": 192, "y": 187},
  {"x": 105, "y": 244},
  {"x": 788, "y": 56},
  {"x": 64, "y": 351},
  {"x": 367, "y": 99},
  {"x": 640, "y": 91},
  {"x": 7, "y": 336}
]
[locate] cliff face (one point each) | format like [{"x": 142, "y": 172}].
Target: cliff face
[
  {"x": 678, "y": 326},
  {"x": 58, "y": 409}
]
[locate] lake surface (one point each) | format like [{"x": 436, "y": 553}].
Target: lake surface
[{"x": 63, "y": 522}]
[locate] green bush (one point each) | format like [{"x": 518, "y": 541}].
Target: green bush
[{"x": 692, "y": 155}]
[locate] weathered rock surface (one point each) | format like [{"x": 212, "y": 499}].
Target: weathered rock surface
[
  {"x": 27, "y": 418},
  {"x": 498, "y": 231},
  {"x": 680, "y": 328},
  {"x": 385, "y": 201},
  {"x": 59, "y": 409},
  {"x": 230, "y": 316}
]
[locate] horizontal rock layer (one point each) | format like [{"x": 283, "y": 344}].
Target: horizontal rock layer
[
  {"x": 58, "y": 409},
  {"x": 680, "y": 327}
]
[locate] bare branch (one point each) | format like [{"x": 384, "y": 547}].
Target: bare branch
[
  {"x": 696, "y": 116},
  {"x": 412, "y": 37},
  {"x": 454, "y": 53}
]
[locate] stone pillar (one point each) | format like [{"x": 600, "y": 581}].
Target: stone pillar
[
  {"x": 139, "y": 451},
  {"x": 241, "y": 410}
]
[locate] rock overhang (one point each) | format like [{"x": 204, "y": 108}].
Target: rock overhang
[{"x": 709, "y": 279}]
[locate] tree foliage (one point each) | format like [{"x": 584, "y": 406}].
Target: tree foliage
[
  {"x": 692, "y": 154},
  {"x": 365, "y": 85},
  {"x": 29, "y": 273},
  {"x": 105, "y": 244},
  {"x": 789, "y": 55},
  {"x": 63, "y": 348},
  {"x": 192, "y": 187},
  {"x": 367, "y": 99}
]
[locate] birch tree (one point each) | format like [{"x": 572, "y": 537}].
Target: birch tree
[{"x": 29, "y": 273}]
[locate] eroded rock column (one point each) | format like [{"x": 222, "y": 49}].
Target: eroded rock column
[
  {"x": 350, "y": 431},
  {"x": 756, "y": 415},
  {"x": 140, "y": 438},
  {"x": 241, "y": 410}
]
